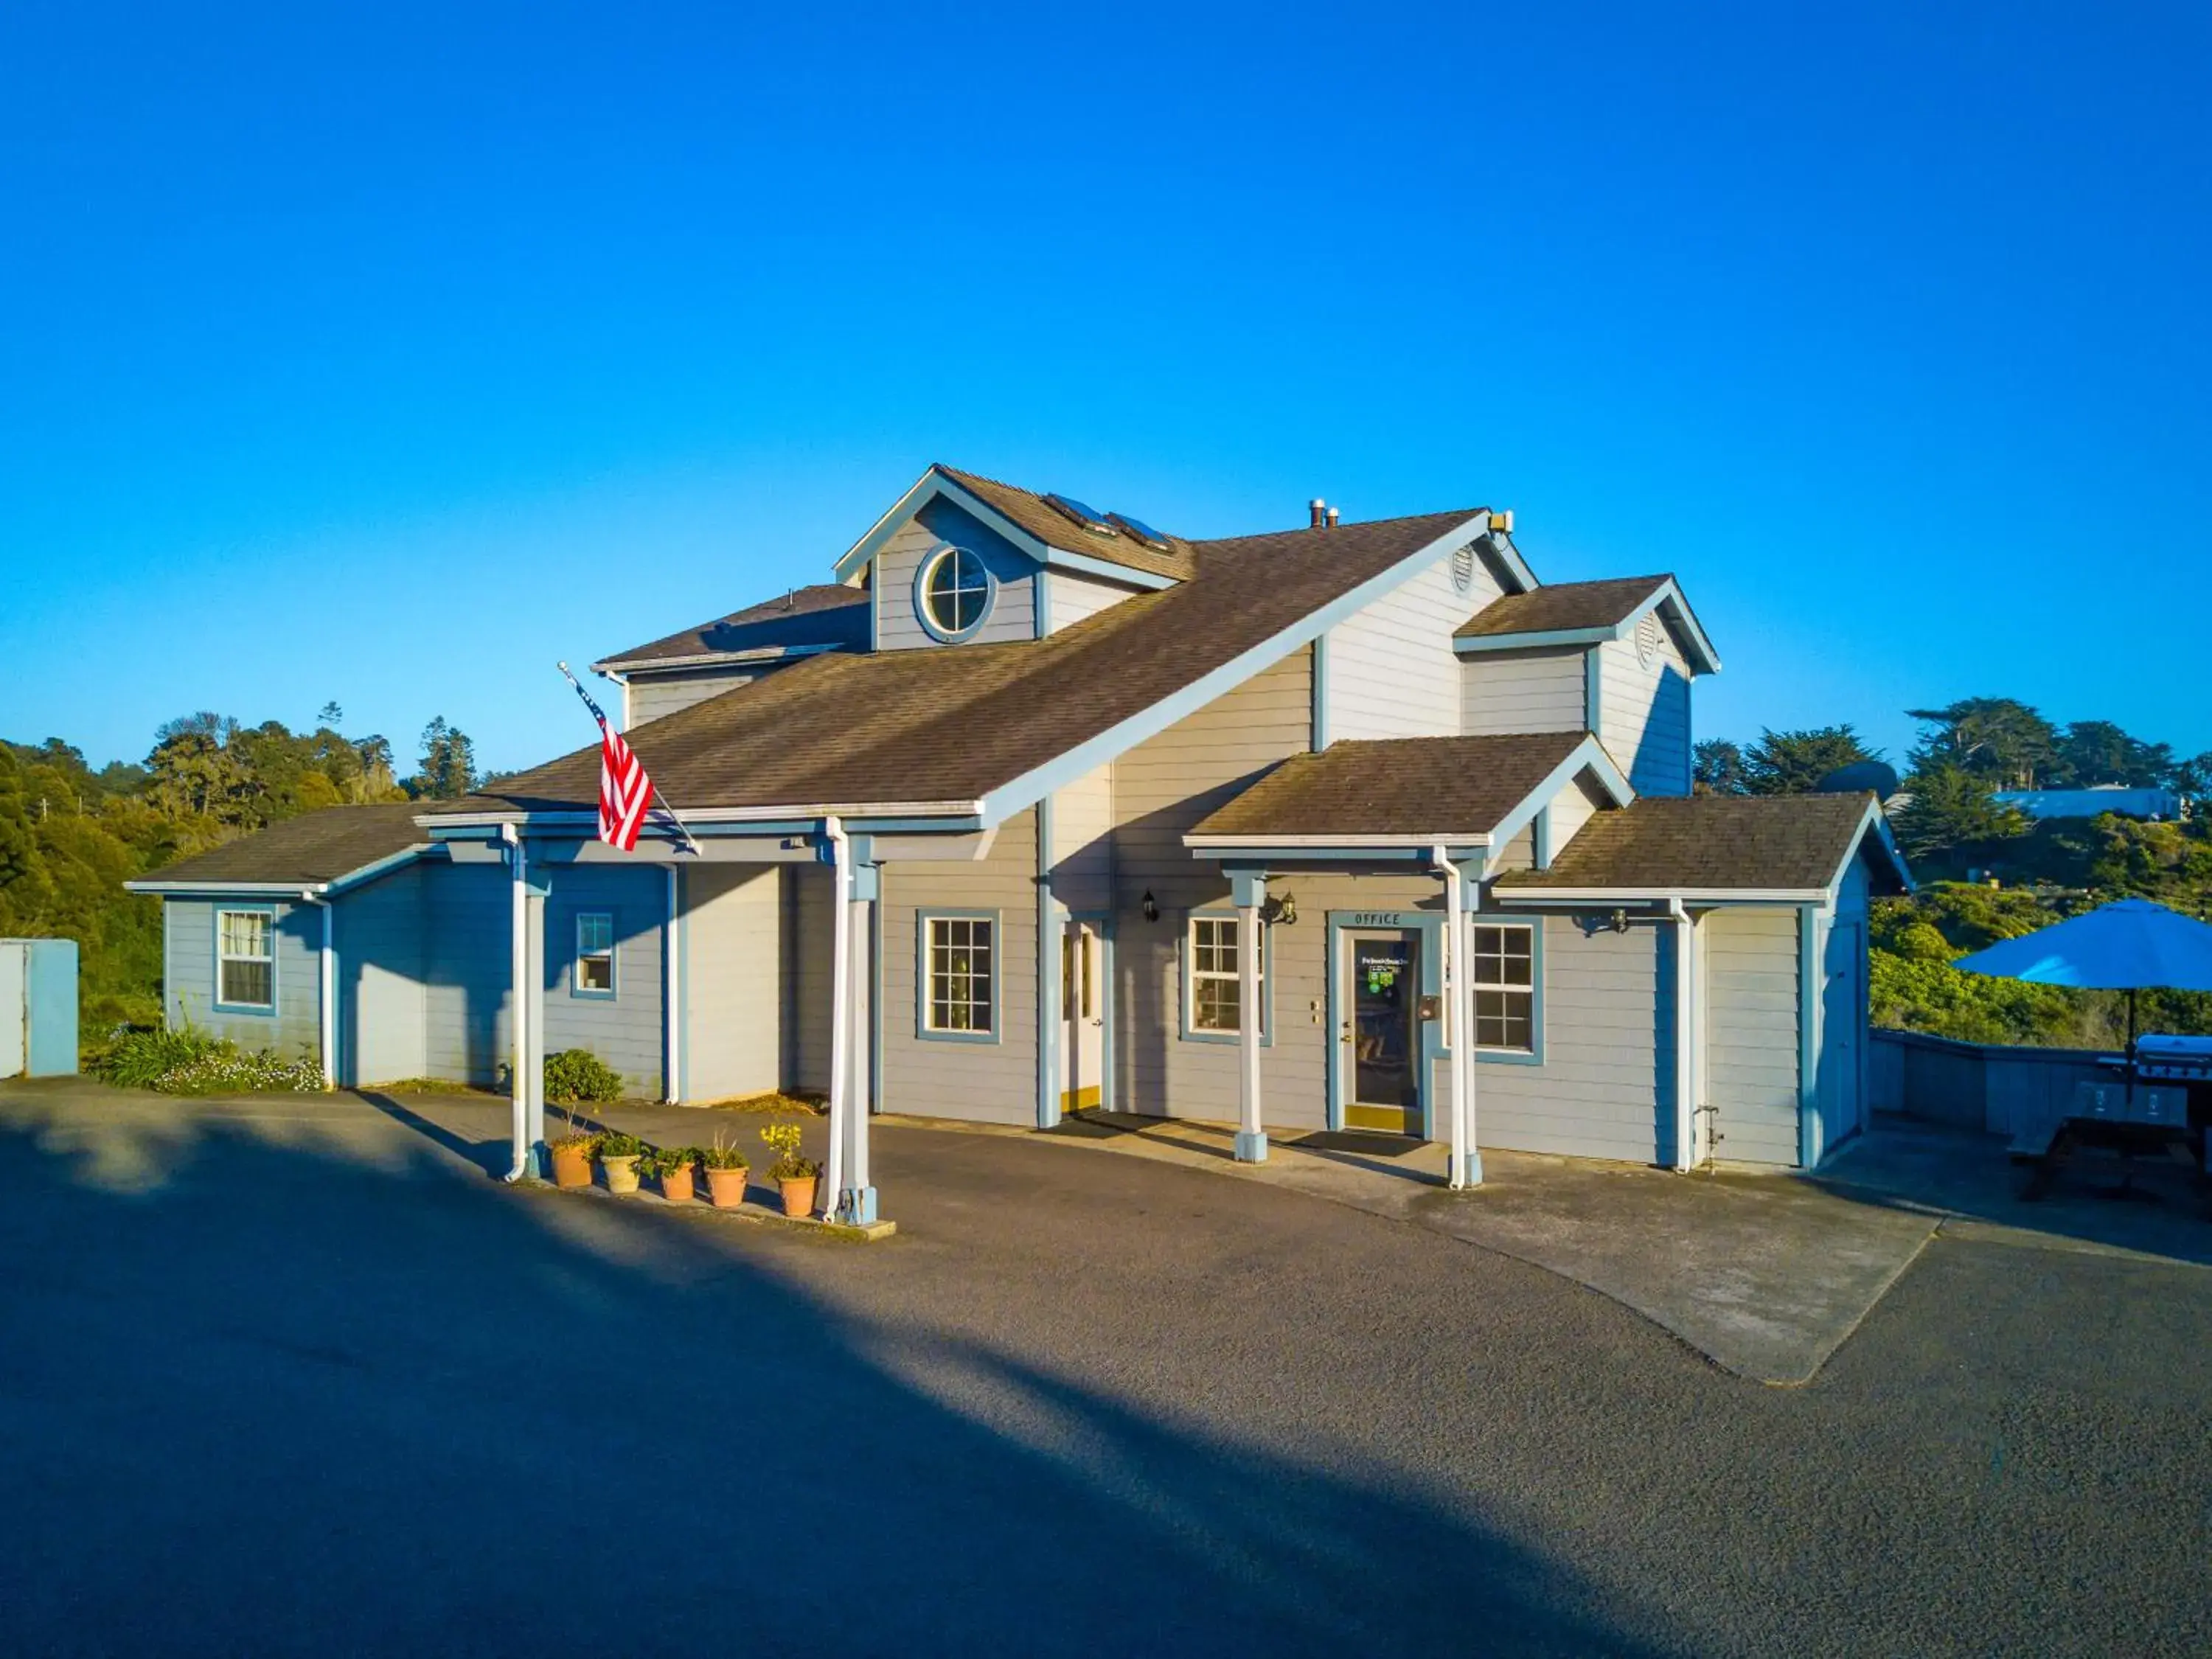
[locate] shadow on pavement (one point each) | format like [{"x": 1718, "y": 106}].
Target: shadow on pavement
[
  {"x": 1937, "y": 1170},
  {"x": 279, "y": 1397}
]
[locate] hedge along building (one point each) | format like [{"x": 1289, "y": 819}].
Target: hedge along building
[{"x": 1033, "y": 809}]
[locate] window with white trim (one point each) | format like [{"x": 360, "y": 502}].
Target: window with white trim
[
  {"x": 245, "y": 958},
  {"x": 1214, "y": 983},
  {"x": 595, "y": 954},
  {"x": 962, "y": 953},
  {"x": 1505, "y": 987},
  {"x": 956, "y": 591}
]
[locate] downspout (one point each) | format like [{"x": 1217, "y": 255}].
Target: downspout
[
  {"x": 1685, "y": 1036},
  {"x": 841, "y": 1006},
  {"x": 328, "y": 989},
  {"x": 671, "y": 975},
  {"x": 519, "y": 1002}
]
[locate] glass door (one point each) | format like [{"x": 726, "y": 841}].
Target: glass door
[{"x": 1383, "y": 971}]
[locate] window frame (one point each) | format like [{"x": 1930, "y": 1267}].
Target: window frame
[
  {"x": 612, "y": 952},
  {"x": 926, "y": 572},
  {"x": 1187, "y": 971},
  {"x": 924, "y": 1000},
  {"x": 268, "y": 915},
  {"x": 1534, "y": 1054}
]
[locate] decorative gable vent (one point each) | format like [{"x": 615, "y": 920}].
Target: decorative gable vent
[
  {"x": 1463, "y": 569},
  {"x": 1647, "y": 639}
]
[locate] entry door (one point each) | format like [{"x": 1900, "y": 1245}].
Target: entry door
[
  {"x": 1840, "y": 1017},
  {"x": 1083, "y": 1038},
  {"x": 1382, "y": 1069}
]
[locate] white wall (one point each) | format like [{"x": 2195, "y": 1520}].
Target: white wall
[
  {"x": 1751, "y": 1033},
  {"x": 732, "y": 981},
  {"x": 1504, "y": 692},
  {"x": 1391, "y": 669},
  {"x": 898, "y": 624},
  {"x": 1646, "y": 714}
]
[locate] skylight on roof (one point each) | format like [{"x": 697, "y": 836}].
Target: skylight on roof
[
  {"x": 1094, "y": 522},
  {"x": 1143, "y": 532}
]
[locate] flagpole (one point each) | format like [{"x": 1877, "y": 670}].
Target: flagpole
[{"x": 682, "y": 829}]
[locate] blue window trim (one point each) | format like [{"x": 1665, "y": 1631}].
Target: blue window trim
[
  {"x": 937, "y": 555},
  {"x": 576, "y": 958},
  {"x": 1187, "y": 986},
  {"x": 1534, "y": 1055},
  {"x": 260, "y": 1009},
  {"x": 921, "y": 1026}
]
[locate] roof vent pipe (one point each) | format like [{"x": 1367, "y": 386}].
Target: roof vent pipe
[
  {"x": 1332, "y": 518},
  {"x": 1317, "y": 508}
]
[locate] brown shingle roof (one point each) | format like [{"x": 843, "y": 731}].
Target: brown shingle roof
[
  {"x": 1565, "y": 605},
  {"x": 310, "y": 849},
  {"x": 1791, "y": 843},
  {"x": 1445, "y": 787},
  {"x": 915, "y": 725},
  {"x": 829, "y": 614},
  {"x": 1055, "y": 529}
]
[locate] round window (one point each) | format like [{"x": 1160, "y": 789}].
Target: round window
[{"x": 955, "y": 591}]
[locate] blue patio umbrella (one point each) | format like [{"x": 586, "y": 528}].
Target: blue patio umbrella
[{"x": 2125, "y": 946}]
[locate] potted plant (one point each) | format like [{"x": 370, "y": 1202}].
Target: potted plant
[
  {"x": 618, "y": 1157},
  {"x": 795, "y": 1175},
  {"x": 673, "y": 1166},
  {"x": 726, "y": 1171},
  {"x": 572, "y": 1158}
]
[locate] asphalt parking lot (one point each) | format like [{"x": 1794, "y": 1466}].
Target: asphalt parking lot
[{"x": 292, "y": 1374}]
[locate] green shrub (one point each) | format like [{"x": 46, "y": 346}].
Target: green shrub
[
  {"x": 192, "y": 1061},
  {"x": 579, "y": 1074},
  {"x": 615, "y": 1143}
]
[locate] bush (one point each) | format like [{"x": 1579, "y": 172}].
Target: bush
[
  {"x": 191, "y": 1060},
  {"x": 579, "y": 1074}
]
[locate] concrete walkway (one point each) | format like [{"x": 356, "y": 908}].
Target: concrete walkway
[{"x": 1765, "y": 1275}]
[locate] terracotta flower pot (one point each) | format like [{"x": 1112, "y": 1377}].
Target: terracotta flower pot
[
  {"x": 621, "y": 1174},
  {"x": 572, "y": 1166},
  {"x": 727, "y": 1187},
  {"x": 676, "y": 1185},
  {"x": 798, "y": 1194}
]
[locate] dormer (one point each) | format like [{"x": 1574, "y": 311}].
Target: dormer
[
  {"x": 966, "y": 560},
  {"x": 1614, "y": 658}
]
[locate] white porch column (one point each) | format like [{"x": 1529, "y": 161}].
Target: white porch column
[
  {"x": 327, "y": 990},
  {"x": 534, "y": 982},
  {"x": 671, "y": 982},
  {"x": 1685, "y": 1036},
  {"x": 856, "y": 1198},
  {"x": 517, "y": 1003},
  {"x": 1248, "y": 888},
  {"x": 1462, "y": 893}
]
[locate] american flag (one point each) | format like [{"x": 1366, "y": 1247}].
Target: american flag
[{"x": 625, "y": 791}]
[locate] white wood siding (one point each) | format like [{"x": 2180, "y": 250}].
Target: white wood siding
[
  {"x": 1646, "y": 715},
  {"x": 992, "y": 1082},
  {"x": 899, "y": 621},
  {"x": 1392, "y": 673},
  {"x": 732, "y": 955},
  {"x": 1751, "y": 1025},
  {"x": 807, "y": 893},
  {"x": 664, "y": 694},
  {"x": 1069, "y": 599},
  {"x": 1082, "y": 843},
  {"x": 1161, "y": 788},
  {"x": 628, "y": 1030},
  {"x": 1522, "y": 691},
  {"x": 1598, "y": 1093},
  {"x": 1572, "y": 808}
]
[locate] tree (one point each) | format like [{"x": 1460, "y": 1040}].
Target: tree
[
  {"x": 2091, "y": 752},
  {"x": 1953, "y": 811},
  {"x": 448, "y": 767},
  {"x": 2193, "y": 776},
  {"x": 1794, "y": 762},
  {"x": 1718, "y": 769},
  {"x": 1994, "y": 738}
]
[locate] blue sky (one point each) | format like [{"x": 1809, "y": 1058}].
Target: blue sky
[{"x": 389, "y": 356}]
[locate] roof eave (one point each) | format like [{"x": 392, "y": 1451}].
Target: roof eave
[{"x": 618, "y": 668}]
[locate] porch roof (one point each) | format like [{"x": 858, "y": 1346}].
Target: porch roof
[
  {"x": 1395, "y": 789},
  {"x": 312, "y": 850},
  {"x": 1720, "y": 845},
  {"x": 953, "y": 725}
]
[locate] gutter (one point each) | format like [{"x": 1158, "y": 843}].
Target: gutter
[{"x": 1685, "y": 1034}]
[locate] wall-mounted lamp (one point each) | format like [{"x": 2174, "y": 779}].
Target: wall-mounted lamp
[
  {"x": 1280, "y": 912},
  {"x": 1150, "y": 906}
]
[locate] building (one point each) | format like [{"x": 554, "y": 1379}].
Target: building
[
  {"x": 2095, "y": 801},
  {"x": 1028, "y": 809}
]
